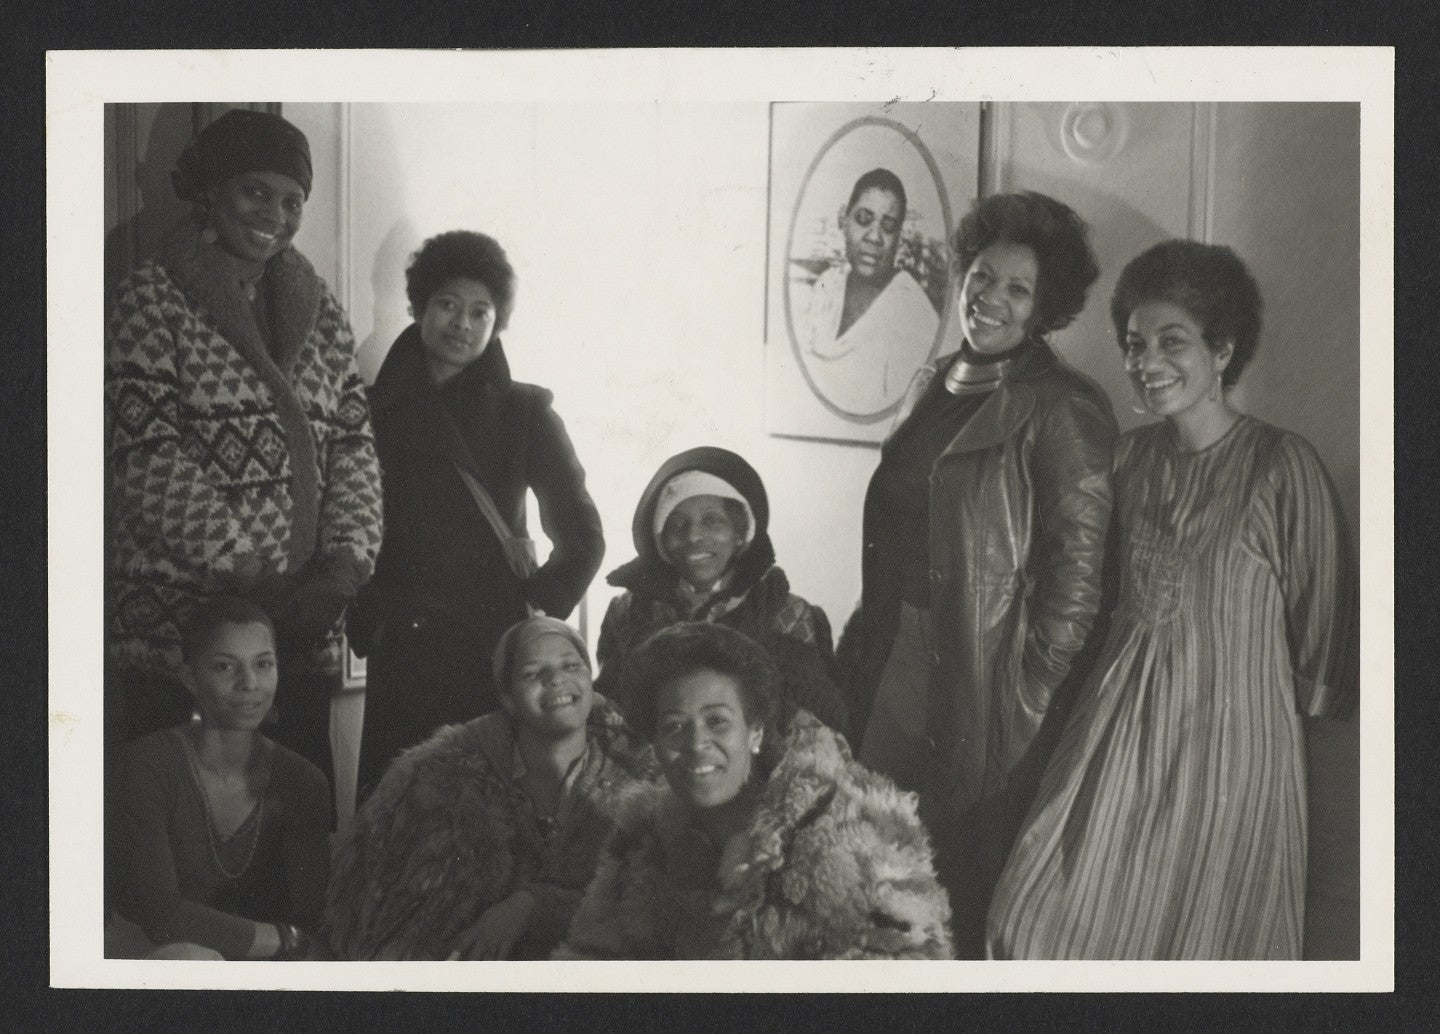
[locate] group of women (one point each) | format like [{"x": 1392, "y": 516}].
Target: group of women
[{"x": 1077, "y": 680}]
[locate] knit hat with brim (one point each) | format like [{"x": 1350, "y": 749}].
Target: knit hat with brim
[
  {"x": 691, "y": 483},
  {"x": 734, "y": 478}
]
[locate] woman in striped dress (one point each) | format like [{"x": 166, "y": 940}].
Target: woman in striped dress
[{"x": 1171, "y": 821}]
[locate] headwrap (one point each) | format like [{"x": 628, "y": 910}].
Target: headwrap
[
  {"x": 521, "y": 635},
  {"x": 242, "y": 141},
  {"x": 690, "y": 483}
]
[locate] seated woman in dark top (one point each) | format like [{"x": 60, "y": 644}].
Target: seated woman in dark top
[
  {"x": 218, "y": 836},
  {"x": 701, "y": 532}
]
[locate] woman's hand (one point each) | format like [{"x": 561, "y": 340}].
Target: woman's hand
[
  {"x": 496, "y": 932},
  {"x": 267, "y": 943}
]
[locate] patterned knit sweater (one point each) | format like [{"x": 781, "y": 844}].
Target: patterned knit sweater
[{"x": 225, "y": 456}]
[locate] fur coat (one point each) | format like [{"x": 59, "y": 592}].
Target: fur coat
[
  {"x": 220, "y": 448},
  {"x": 835, "y": 865},
  {"x": 449, "y": 832}
]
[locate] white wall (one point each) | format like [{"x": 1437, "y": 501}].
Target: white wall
[
  {"x": 638, "y": 232},
  {"x": 1288, "y": 200},
  {"x": 1279, "y": 183}
]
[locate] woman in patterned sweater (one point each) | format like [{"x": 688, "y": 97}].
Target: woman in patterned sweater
[{"x": 240, "y": 456}]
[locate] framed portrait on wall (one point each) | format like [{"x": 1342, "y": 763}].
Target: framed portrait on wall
[{"x": 863, "y": 203}]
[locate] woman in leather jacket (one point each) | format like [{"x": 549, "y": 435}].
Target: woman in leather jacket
[{"x": 984, "y": 535}]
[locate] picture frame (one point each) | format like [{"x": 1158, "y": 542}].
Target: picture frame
[{"x": 838, "y": 368}]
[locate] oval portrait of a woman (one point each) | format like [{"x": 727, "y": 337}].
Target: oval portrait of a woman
[{"x": 866, "y": 284}]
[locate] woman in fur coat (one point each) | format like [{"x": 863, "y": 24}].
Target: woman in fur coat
[
  {"x": 769, "y": 841},
  {"x": 479, "y": 842},
  {"x": 704, "y": 554}
]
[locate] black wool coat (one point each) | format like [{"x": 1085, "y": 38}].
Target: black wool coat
[{"x": 443, "y": 592}]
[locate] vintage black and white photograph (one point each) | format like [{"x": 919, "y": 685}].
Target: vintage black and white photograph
[{"x": 859, "y": 513}]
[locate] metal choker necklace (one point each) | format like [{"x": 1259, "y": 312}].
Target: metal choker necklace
[{"x": 971, "y": 374}]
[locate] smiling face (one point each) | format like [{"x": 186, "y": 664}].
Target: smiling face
[
  {"x": 700, "y": 540},
  {"x": 997, "y": 297},
  {"x": 872, "y": 233},
  {"x": 256, "y": 214},
  {"x": 456, "y": 326},
  {"x": 550, "y": 691},
  {"x": 702, "y": 740},
  {"x": 233, "y": 677},
  {"x": 1173, "y": 369}
]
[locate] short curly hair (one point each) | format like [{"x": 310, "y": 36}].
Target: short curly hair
[
  {"x": 683, "y": 649},
  {"x": 1210, "y": 282},
  {"x": 461, "y": 253},
  {"x": 1059, "y": 238}
]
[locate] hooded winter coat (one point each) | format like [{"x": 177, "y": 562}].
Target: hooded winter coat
[
  {"x": 443, "y": 592},
  {"x": 450, "y": 832},
  {"x": 835, "y": 866},
  {"x": 757, "y": 601}
]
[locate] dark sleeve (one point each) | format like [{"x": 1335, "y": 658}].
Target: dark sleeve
[
  {"x": 865, "y": 642},
  {"x": 611, "y": 650},
  {"x": 144, "y": 800},
  {"x": 1071, "y": 464},
  {"x": 305, "y": 837},
  {"x": 554, "y": 908},
  {"x": 617, "y": 917},
  {"x": 568, "y": 515},
  {"x": 803, "y": 654}
]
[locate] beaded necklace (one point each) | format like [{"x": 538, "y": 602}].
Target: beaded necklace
[{"x": 254, "y": 820}]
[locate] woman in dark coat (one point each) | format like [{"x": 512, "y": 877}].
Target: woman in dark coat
[
  {"x": 701, "y": 532},
  {"x": 985, "y": 527},
  {"x": 444, "y": 403}
]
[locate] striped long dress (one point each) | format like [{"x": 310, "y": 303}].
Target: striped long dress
[{"x": 1170, "y": 823}]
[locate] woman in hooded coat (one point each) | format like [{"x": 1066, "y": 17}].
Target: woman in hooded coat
[{"x": 704, "y": 554}]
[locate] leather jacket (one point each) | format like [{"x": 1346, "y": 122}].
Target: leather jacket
[{"x": 1019, "y": 510}]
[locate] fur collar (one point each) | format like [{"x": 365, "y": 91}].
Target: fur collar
[
  {"x": 814, "y": 761},
  {"x": 488, "y": 742},
  {"x": 834, "y": 864},
  {"x": 204, "y": 275}
]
